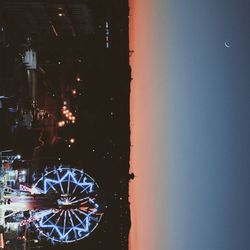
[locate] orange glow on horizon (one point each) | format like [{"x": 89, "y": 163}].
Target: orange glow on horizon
[{"x": 143, "y": 231}]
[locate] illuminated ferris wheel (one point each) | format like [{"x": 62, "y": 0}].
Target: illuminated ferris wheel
[{"x": 75, "y": 213}]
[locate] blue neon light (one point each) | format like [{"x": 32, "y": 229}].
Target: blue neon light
[{"x": 78, "y": 213}]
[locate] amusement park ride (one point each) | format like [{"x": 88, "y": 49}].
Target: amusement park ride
[
  {"x": 75, "y": 212},
  {"x": 62, "y": 205}
]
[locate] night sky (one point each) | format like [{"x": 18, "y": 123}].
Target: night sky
[{"x": 191, "y": 126}]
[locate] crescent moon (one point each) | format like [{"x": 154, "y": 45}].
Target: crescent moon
[{"x": 227, "y": 45}]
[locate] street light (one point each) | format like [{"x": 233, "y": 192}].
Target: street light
[{"x": 72, "y": 140}]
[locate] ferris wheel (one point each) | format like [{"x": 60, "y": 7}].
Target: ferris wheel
[{"x": 75, "y": 213}]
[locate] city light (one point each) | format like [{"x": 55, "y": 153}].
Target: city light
[
  {"x": 61, "y": 123},
  {"x": 72, "y": 140},
  {"x": 12, "y": 173},
  {"x": 18, "y": 157},
  {"x": 107, "y": 35},
  {"x": 74, "y": 92},
  {"x": 68, "y": 115}
]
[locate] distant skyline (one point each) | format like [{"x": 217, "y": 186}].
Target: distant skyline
[{"x": 190, "y": 125}]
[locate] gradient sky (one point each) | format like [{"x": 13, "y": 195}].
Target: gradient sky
[{"x": 190, "y": 123}]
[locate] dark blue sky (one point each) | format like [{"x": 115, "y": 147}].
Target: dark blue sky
[{"x": 204, "y": 102}]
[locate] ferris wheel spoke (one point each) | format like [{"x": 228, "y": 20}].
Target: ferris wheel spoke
[
  {"x": 73, "y": 177},
  {"x": 68, "y": 184},
  {"x": 57, "y": 221},
  {"x": 73, "y": 225},
  {"x": 86, "y": 185},
  {"x": 48, "y": 182},
  {"x": 81, "y": 212},
  {"x": 47, "y": 219},
  {"x": 77, "y": 185},
  {"x": 84, "y": 225},
  {"x": 79, "y": 200},
  {"x": 64, "y": 223},
  {"x": 72, "y": 199},
  {"x": 84, "y": 189},
  {"x": 60, "y": 183}
]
